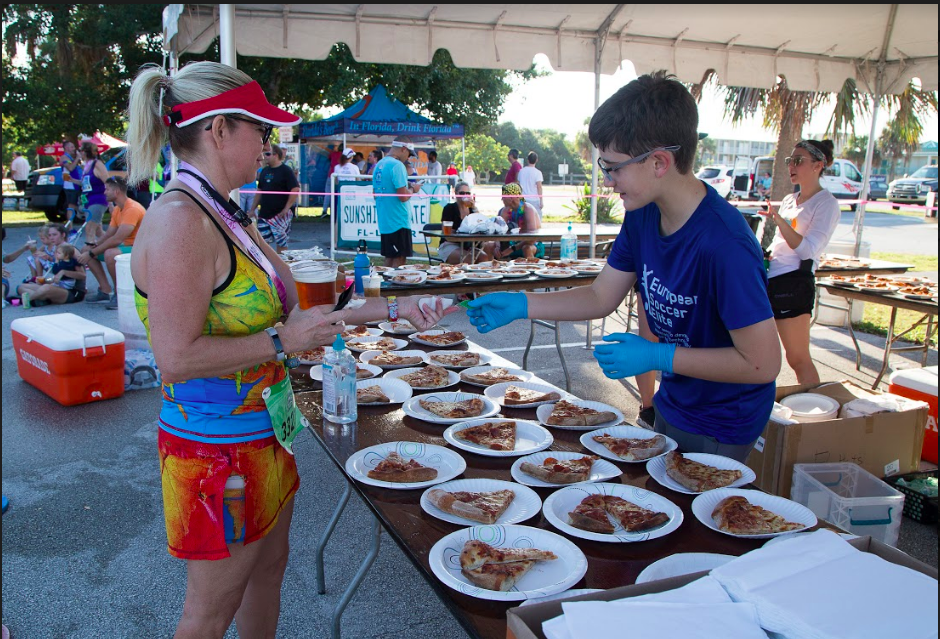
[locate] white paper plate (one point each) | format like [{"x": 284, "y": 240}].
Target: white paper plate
[
  {"x": 354, "y": 345},
  {"x": 452, "y": 378},
  {"x": 545, "y": 577},
  {"x": 483, "y": 266},
  {"x": 525, "y": 505},
  {"x": 530, "y": 438},
  {"x": 414, "y": 277},
  {"x": 562, "y": 502},
  {"x": 623, "y": 430},
  {"x": 388, "y": 328},
  {"x": 483, "y": 276},
  {"x": 588, "y": 270},
  {"x": 542, "y": 412},
  {"x": 811, "y": 405},
  {"x": 448, "y": 463},
  {"x": 437, "y": 331},
  {"x": 882, "y": 290},
  {"x": 683, "y": 563},
  {"x": 525, "y": 262},
  {"x": 326, "y": 349},
  {"x": 704, "y": 505},
  {"x": 600, "y": 471},
  {"x": 514, "y": 272},
  {"x": 368, "y": 356},
  {"x": 316, "y": 372},
  {"x": 414, "y": 267},
  {"x": 574, "y": 592},
  {"x": 455, "y": 277},
  {"x": 397, "y": 390},
  {"x": 656, "y": 467},
  {"x": 373, "y": 332},
  {"x": 413, "y": 408},
  {"x": 485, "y": 358},
  {"x": 518, "y": 372},
  {"x": 497, "y": 393},
  {"x": 556, "y": 273}
]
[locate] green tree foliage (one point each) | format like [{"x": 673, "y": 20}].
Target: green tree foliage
[
  {"x": 609, "y": 207},
  {"x": 484, "y": 154},
  {"x": 854, "y": 149},
  {"x": 552, "y": 147},
  {"x": 706, "y": 153}
]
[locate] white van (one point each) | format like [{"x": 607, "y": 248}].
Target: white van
[{"x": 842, "y": 179}]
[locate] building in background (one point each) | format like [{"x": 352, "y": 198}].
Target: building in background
[{"x": 727, "y": 150}]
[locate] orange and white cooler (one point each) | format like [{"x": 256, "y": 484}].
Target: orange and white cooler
[
  {"x": 920, "y": 384},
  {"x": 69, "y": 358}
]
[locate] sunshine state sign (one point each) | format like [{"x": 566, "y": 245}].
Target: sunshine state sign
[
  {"x": 358, "y": 219},
  {"x": 328, "y": 128}
]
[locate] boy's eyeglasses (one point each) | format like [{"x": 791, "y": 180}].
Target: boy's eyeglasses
[
  {"x": 607, "y": 170},
  {"x": 795, "y": 160},
  {"x": 266, "y": 129}
]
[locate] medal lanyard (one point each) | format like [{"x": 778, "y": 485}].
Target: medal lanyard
[{"x": 193, "y": 182}]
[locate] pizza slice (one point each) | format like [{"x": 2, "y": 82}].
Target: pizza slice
[
  {"x": 696, "y": 476},
  {"x": 444, "y": 339},
  {"x": 372, "y": 395},
  {"x": 516, "y": 395},
  {"x": 403, "y": 326},
  {"x": 567, "y": 414},
  {"x": 395, "y": 468},
  {"x": 483, "y": 507},
  {"x": 454, "y": 410},
  {"x": 314, "y": 355},
  {"x": 561, "y": 471},
  {"x": 499, "y": 577},
  {"x": 477, "y": 553},
  {"x": 363, "y": 373},
  {"x": 490, "y": 377},
  {"x": 590, "y": 515},
  {"x": 464, "y": 359},
  {"x": 633, "y": 518},
  {"x": 492, "y": 435},
  {"x": 382, "y": 344},
  {"x": 355, "y": 331},
  {"x": 738, "y": 516},
  {"x": 429, "y": 377},
  {"x": 632, "y": 449},
  {"x": 391, "y": 359}
]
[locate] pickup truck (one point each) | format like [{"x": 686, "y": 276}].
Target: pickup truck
[{"x": 914, "y": 188}]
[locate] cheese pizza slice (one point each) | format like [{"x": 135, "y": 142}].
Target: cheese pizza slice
[
  {"x": 391, "y": 359},
  {"x": 561, "y": 471},
  {"x": 429, "y": 377},
  {"x": 567, "y": 414},
  {"x": 372, "y": 395},
  {"x": 696, "y": 476},
  {"x": 382, "y": 344},
  {"x": 516, "y": 395},
  {"x": 395, "y": 468},
  {"x": 492, "y": 435},
  {"x": 444, "y": 339},
  {"x": 454, "y": 410},
  {"x": 490, "y": 377},
  {"x": 738, "y": 516},
  {"x": 477, "y": 553},
  {"x": 482, "y": 507},
  {"x": 499, "y": 577},
  {"x": 632, "y": 449},
  {"x": 463, "y": 359}
]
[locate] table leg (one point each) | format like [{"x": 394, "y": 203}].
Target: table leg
[
  {"x": 889, "y": 341},
  {"x": 525, "y": 354},
  {"x": 927, "y": 337},
  {"x": 360, "y": 575},
  {"x": 858, "y": 350},
  {"x": 561, "y": 355},
  {"x": 321, "y": 547}
]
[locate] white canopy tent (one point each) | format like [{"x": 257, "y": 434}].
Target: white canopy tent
[{"x": 816, "y": 47}]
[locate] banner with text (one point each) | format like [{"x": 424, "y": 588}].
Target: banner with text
[{"x": 358, "y": 216}]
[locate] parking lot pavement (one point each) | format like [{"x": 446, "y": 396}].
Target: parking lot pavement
[{"x": 84, "y": 545}]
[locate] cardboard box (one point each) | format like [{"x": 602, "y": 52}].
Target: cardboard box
[
  {"x": 526, "y": 623},
  {"x": 884, "y": 444}
]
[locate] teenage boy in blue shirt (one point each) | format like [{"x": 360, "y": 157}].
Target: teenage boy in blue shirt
[{"x": 700, "y": 273}]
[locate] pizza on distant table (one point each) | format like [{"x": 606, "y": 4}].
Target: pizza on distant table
[
  {"x": 372, "y": 395},
  {"x": 561, "y": 471},
  {"x": 454, "y": 410},
  {"x": 738, "y": 516},
  {"x": 363, "y": 373},
  {"x": 382, "y": 344},
  {"x": 632, "y": 449},
  {"x": 463, "y": 359},
  {"x": 498, "y": 569},
  {"x": 492, "y": 435},
  {"x": 444, "y": 339},
  {"x": 490, "y": 377},
  {"x": 395, "y": 468},
  {"x": 355, "y": 331},
  {"x": 403, "y": 326},
  {"x": 567, "y": 414},
  {"x": 482, "y": 507},
  {"x": 313, "y": 356},
  {"x": 591, "y": 515},
  {"x": 527, "y": 260},
  {"x": 391, "y": 359},
  {"x": 429, "y": 377},
  {"x": 516, "y": 395},
  {"x": 696, "y": 476}
]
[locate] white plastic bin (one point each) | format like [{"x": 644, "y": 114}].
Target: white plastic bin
[
  {"x": 850, "y": 497},
  {"x": 135, "y": 335},
  {"x": 831, "y": 316}
]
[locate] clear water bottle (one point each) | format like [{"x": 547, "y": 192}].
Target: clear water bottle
[
  {"x": 569, "y": 245},
  {"x": 361, "y": 268},
  {"x": 339, "y": 384}
]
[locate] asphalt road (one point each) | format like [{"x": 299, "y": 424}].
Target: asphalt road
[{"x": 84, "y": 545}]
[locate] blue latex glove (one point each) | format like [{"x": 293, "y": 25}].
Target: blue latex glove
[
  {"x": 627, "y": 355},
  {"x": 497, "y": 309}
]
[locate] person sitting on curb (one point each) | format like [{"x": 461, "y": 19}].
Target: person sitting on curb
[
  {"x": 65, "y": 284},
  {"x": 126, "y": 217}
]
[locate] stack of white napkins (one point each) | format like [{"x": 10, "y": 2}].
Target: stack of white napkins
[
  {"x": 700, "y": 609},
  {"x": 817, "y": 586},
  {"x": 886, "y": 403}
]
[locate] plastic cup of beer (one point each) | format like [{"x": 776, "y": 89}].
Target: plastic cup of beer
[
  {"x": 447, "y": 227},
  {"x": 316, "y": 282},
  {"x": 372, "y": 285}
]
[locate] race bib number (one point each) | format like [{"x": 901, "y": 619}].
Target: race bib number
[
  {"x": 86, "y": 183},
  {"x": 286, "y": 418}
]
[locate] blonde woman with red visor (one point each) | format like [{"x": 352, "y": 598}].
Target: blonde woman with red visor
[{"x": 220, "y": 308}]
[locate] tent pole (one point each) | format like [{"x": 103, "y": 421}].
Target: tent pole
[
  {"x": 463, "y": 153},
  {"x": 227, "y": 34},
  {"x": 866, "y": 174},
  {"x": 333, "y": 216},
  {"x": 588, "y": 344}
]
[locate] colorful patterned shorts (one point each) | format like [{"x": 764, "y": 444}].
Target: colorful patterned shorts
[{"x": 194, "y": 475}]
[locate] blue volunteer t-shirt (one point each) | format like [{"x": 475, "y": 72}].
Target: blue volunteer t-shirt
[
  {"x": 389, "y": 176},
  {"x": 696, "y": 285}
]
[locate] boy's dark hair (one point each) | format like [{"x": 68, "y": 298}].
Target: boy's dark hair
[
  {"x": 652, "y": 111},
  {"x": 118, "y": 182},
  {"x": 514, "y": 153},
  {"x": 532, "y": 158}
]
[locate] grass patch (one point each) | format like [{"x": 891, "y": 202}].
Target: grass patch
[
  {"x": 23, "y": 218},
  {"x": 921, "y": 262}
]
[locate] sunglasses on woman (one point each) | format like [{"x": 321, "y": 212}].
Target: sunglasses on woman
[
  {"x": 796, "y": 160},
  {"x": 463, "y": 192},
  {"x": 265, "y": 129}
]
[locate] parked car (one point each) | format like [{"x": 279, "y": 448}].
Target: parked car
[
  {"x": 877, "y": 187},
  {"x": 842, "y": 178},
  {"x": 914, "y": 189},
  {"x": 719, "y": 177}
]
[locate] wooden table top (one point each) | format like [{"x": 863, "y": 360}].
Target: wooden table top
[
  {"x": 609, "y": 564},
  {"x": 927, "y": 307},
  {"x": 873, "y": 267},
  {"x": 538, "y": 236}
]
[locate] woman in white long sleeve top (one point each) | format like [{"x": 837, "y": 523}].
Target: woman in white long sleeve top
[{"x": 795, "y": 253}]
